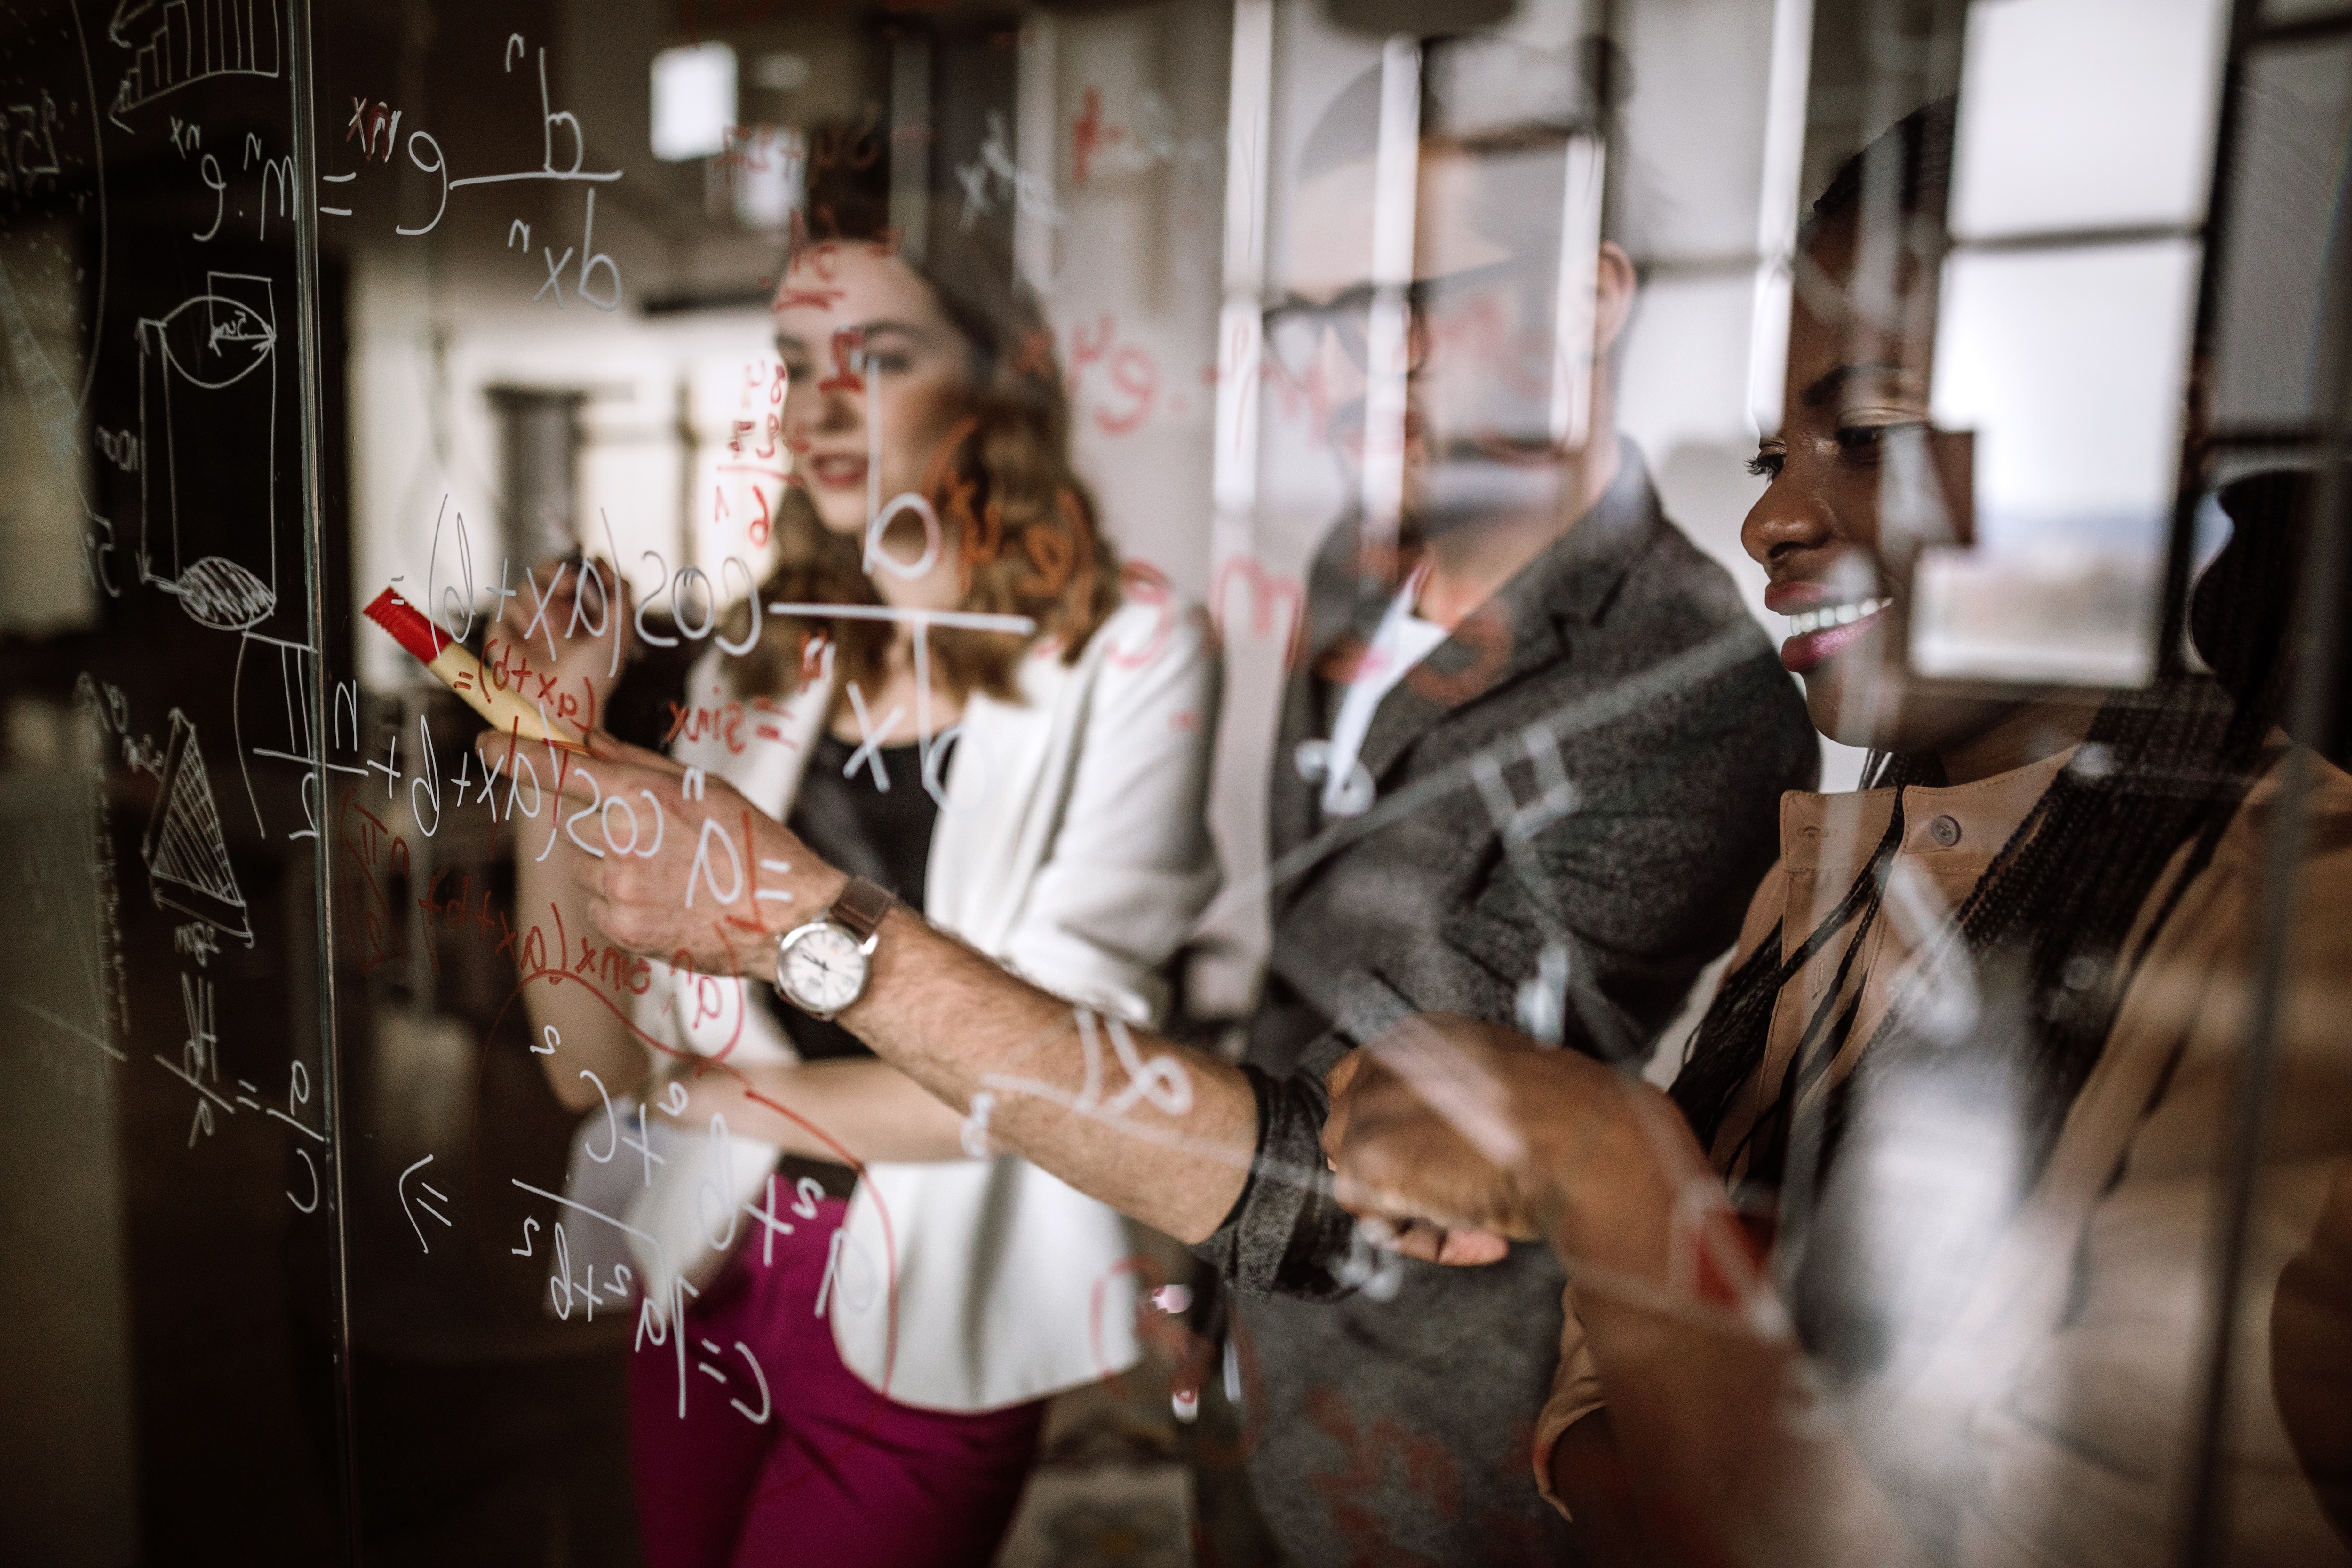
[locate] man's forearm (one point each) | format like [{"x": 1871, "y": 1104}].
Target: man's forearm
[
  {"x": 1162, "y": 1135},
  {"x": 865, "y": 1108}
]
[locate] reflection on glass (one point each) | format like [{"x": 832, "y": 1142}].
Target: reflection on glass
[{"x": 1264, "y": 781}]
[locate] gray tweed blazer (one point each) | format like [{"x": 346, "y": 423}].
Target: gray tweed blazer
[{"x": 1592, "y": 763}]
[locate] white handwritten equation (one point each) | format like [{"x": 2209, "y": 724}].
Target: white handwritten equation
[{"x": 372, "y": 132}]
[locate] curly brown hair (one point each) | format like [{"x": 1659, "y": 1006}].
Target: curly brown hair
[{"x": 1027, "y": 535}]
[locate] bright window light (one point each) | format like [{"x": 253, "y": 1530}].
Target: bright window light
[{"x": 694, "y": 101}]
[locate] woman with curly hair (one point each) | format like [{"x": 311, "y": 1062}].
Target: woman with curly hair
[{"x": 952, "y": 689}]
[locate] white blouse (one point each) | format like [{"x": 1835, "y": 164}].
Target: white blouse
[{"x": 1072, "y": 847}]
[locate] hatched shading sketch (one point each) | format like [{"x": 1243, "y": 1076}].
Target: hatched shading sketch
[
  {"x": 197, "y": 39},
  {"x": 186, "y": 855},
  {"x": 208, "y": 424}
]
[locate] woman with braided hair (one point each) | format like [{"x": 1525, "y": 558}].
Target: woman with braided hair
[{"x": 1913, "y": 1262}]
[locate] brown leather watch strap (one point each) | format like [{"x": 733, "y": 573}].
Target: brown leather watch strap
[{"x": 860, "y": 908}]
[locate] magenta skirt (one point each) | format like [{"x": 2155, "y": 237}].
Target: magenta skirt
[{"x": 783, "y": 1456}]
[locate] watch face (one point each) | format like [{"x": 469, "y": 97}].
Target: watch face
[{"x": 822, "y": 969}]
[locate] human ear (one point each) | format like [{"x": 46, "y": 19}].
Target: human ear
[{"x": 1613, "y": 286}]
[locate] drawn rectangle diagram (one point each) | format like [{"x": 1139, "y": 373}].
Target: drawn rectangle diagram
[{"x": 208, "y": 429}]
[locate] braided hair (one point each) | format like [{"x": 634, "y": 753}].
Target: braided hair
[{"x": 2050, "y": 918}]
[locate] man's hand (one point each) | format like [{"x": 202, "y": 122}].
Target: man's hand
[
  {"x": 1421, "y": 1238},
  {"x": 1455, "y": 1132},
  {"x": 707, "y": 880}
]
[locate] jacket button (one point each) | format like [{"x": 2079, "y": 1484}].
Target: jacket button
[{"x": 1945, "y": 831}]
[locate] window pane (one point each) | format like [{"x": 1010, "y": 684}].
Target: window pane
[
  {"x": 2067, "y": 368},
  {"x": 2292, "y": 155},
  {"x": 2081, "y": 114}
]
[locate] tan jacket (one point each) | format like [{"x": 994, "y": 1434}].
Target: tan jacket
[{"x": 2050, "y": 1417}]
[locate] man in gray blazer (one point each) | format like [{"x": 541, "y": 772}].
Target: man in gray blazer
[
  {"x": 1625, "y": 754},
  {"x": 1624, "y": 731},
  {"x": 1529, "y": 773}
]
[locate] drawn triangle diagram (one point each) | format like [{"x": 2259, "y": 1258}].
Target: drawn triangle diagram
[{"x": 188, "y": 857}]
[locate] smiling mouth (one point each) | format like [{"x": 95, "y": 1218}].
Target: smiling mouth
[
  {"x": 1825, "y": 616},
  {"x": 836, "y": 472},
  {"x": 1817, "y": 634}
]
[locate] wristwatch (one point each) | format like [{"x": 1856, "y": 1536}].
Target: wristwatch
[{"x": 821, "y": 967}]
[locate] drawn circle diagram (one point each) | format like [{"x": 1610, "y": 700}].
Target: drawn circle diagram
[{"x": 208, "y": 421}]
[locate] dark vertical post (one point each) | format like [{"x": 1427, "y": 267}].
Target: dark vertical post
[
  {"x": 2180, "y": 548},
  {"x": 302, "y": 80},
  {"x": 539, "y": 439},
  {"x": 2316, "y": 645}
]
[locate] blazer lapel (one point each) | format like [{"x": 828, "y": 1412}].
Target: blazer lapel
[
  {"x": 1290, "y": 799},
  {"x": 1521, "y": 627},
  {"x": 1504, "y": 638},
  {"x": 997, "y": 822},
  {"x": 1344, "y": 609}
]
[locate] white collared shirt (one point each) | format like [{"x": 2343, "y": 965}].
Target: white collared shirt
[{"x": 1403, "y": 640}]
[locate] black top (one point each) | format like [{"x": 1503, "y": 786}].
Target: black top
[{"x": 875, "y": 823}]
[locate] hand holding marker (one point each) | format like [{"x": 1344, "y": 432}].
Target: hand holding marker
[{"x": 504, "y": 708}]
